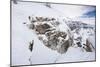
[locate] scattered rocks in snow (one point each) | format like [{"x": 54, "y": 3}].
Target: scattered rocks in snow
[{"x": 82, "y": 38}]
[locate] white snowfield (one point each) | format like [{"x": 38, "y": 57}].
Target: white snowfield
[{"x": 22, "y": 35}]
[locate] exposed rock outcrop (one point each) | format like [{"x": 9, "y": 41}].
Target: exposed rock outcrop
[{"x": 48, "y": 31}]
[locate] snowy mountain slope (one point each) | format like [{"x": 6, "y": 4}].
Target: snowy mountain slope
[{"x": 22, "y": 35}]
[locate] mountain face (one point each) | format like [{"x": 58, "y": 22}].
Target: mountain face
[
  {"x": 42, "y": 34},
  {"x": 78, "y": 24},
  {"x": 49, "y": 32}
]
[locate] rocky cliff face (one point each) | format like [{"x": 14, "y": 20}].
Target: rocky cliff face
[
  {"x": 48, "y": 31},
  {"x": 57, "y": 35}
]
